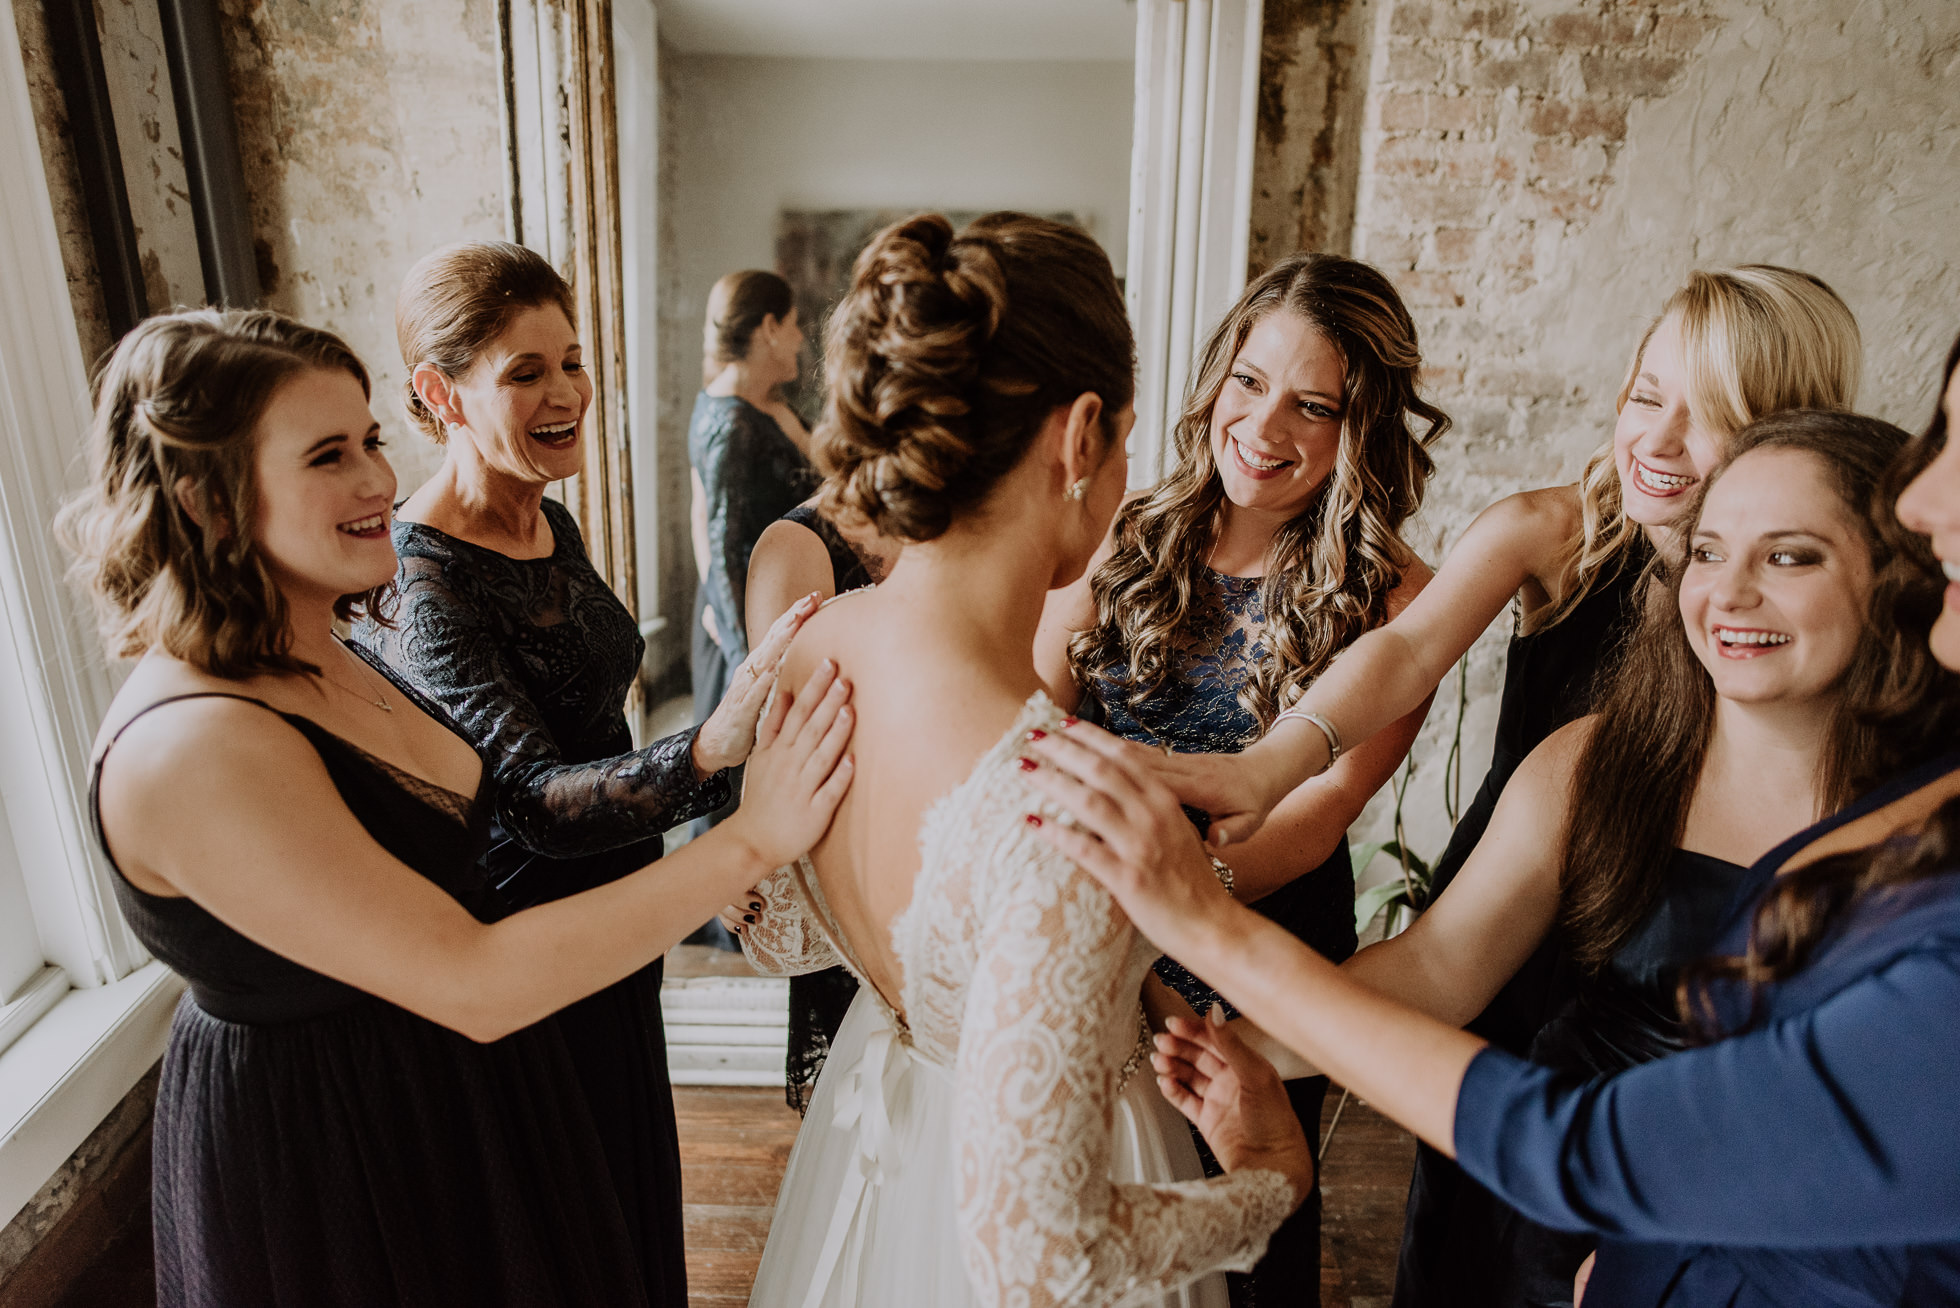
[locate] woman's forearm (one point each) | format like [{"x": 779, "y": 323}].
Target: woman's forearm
[
  {"x": 531, "y": 964},
  {"x": 569, "y": 810},
  {"x": 1376, "y": 680},
  {"x": 1407, "y": 1065}
]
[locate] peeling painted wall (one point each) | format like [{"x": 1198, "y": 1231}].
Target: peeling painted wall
[
  {"x": 64, "y": 182},
  {"x": 369, "y": 131},
  {"x": 133, "y": 64},
  {"x": 1538, "y": 175},
  {"x": 1313, "y": 82}
]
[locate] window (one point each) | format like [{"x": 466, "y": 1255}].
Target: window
[{"x": 83, "y": 1010}]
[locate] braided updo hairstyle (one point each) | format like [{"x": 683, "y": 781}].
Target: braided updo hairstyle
[{"x": 948, "y": 354}]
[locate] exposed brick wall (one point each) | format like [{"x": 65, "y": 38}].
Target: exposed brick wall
[
  {"x": 369, "y": 135},
  {"x": 1537, "y": 175},
  {"x": 1497, "y": 128}
]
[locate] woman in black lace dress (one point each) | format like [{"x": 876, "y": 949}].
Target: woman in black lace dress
[
  {"x": 1269, "y": 548},
  {"x": 748, "y": 452},
  {"x": 364, "y": 1101},
  {"x": 506, "y": 624}
]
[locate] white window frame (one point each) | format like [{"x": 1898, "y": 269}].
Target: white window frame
[
  {"x": 1191, "y": 154},
  {"x": 92, "y": 1018}
]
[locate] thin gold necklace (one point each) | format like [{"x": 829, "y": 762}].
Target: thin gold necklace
[{"x": 381, "y": 704}]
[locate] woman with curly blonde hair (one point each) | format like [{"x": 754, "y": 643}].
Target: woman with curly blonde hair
[{"x": 1272, "y": 545}]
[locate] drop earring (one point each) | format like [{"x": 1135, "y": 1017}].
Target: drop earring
[{"x": 1079, "y": 491}]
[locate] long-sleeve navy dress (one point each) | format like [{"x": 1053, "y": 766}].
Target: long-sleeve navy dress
[
  {"x": 534, "y": 658},
  {"x": 1812, "y": 1159},
  {"x": 751, "y": 474}
]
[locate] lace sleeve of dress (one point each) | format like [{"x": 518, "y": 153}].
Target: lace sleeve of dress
[
  {"x": 452, "y": 650},
  {"x": 1041, "y": 1223},
  {"x": 784, "y": 939}
]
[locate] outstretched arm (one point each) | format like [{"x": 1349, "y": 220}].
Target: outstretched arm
[
  {"x": 1695, "y": 1148},
  {"x": 1391, "y": 672},
  {"x": 225, "y": 803},
  {"x": 1130, "y": 834},
  {"x": 1454, "y": 958}
]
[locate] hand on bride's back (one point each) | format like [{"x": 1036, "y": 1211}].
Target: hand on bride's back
[
  {"x": 799, "y": 770},
  {"x": 1235, "y": 1099}
]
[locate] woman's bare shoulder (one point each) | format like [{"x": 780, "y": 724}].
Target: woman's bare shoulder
[{"x": 1555, "y": 758}]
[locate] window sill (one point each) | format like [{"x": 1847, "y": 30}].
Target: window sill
[{"x": 67, "y": 1071}]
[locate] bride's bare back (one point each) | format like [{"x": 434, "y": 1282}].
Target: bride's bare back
[{"x": 926, "y": 712}]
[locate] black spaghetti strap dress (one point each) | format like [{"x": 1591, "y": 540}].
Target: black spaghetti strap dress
[
  {"x": 819, "y": 1000},
  {"x": 317, "y": 1147},
  {"x": 1613, "y": 1020},
  {"x": 1450, "y": 1255}
]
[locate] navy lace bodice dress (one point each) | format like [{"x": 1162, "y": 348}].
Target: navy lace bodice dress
[{"x": 1199, "y": 712}]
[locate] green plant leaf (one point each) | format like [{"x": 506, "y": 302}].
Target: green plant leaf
[
  {"x": 1360, "y": 856},
  {"x": 1375, "y": 898}
]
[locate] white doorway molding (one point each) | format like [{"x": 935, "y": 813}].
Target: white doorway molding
[{"x": 1197, "y": 86}]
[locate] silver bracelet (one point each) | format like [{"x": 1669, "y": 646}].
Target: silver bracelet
[
  {"x": 1326, "y": 729},
  {"x": 1225, "y": 875}
]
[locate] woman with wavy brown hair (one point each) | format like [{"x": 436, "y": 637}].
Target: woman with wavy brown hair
[
  {"x": 1223, "y": 592},
  {"x": 1802, "y": 1153},
  {"x": 366, "y": 1099},
  {"x": 980, "y": 1135}
]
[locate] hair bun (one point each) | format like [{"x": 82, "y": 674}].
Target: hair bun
[{"x": 947, "y": 352}]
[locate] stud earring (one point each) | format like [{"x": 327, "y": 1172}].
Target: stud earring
[{"x": 1079, "y": 491}]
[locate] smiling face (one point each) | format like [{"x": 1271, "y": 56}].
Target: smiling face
[
  {"x": 523, "y": 400},
  {"x": 1931, "y": 507},
  {"x": 324, "y": 488},
  {"x": 1276, "y": 426},
  {"x": 1661, "y": 451},
  {"x": 1779, "y": 581}
]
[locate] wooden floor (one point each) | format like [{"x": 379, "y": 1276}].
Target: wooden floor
[{"x": 735, "y": 1143}]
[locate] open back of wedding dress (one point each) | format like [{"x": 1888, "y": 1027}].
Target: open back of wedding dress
[{"x": 990, "y": 1141}]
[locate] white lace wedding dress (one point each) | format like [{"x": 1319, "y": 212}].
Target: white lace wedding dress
[{"x": 992, "y": 1142}]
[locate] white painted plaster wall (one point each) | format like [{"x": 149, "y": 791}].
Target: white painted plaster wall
[
  {"x": 751, "y": 136},
  {"x": 759, "y": 135}
]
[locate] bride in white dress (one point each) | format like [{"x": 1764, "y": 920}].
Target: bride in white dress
[{"x": 987, "y": 1130}]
